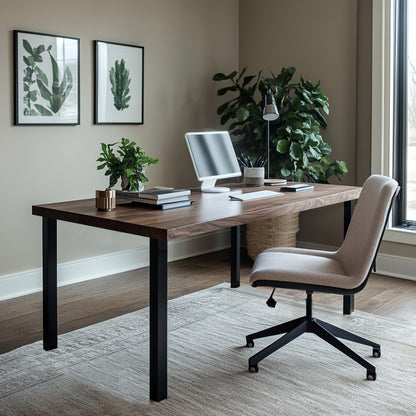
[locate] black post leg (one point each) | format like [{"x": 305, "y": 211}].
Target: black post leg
[
  {"x": 158, "y": 320},
  {"x": 235, "y": 256},
  {"x": 348, "y": 307},
  {"x": 50, "y": 311}
]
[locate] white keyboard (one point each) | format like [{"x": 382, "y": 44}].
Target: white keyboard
[{"x": 249, "y": 196}]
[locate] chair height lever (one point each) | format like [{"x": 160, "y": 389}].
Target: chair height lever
[{"x": 271, "y": 303}]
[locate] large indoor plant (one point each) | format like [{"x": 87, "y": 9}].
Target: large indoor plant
[
  {"x": 129, "y": 164},
  {"x": 298, "y": 151}
]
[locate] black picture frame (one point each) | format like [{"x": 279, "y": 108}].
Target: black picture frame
[
  {"x": 46, "y": 79},
  {"x": 119, "y": 83}
]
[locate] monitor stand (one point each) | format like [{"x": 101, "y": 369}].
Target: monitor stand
[{"x": 208, "y": 185}]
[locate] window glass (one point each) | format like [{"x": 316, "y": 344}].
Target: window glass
[{"x": 411, "y": 113}]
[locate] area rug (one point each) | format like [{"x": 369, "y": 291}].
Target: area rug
[{"x": 103, "y": 369}]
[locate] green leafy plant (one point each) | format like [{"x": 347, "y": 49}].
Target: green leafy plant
[
  {"x": 129, "y": 164},
  {"x": 120, "y": 81},
  {"x": 59, "y": 91},
  {"x": 31, "y": 60},
  {"x": 300, "y": 152}
]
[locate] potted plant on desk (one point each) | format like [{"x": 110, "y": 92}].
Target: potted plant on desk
[
  {"x": 298, "y": 151},
  {"x": 129, "y": 164}
]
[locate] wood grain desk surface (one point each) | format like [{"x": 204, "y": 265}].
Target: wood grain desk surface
[{"x": 210, "y": 212}]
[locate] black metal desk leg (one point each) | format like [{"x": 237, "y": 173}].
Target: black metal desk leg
[
  {"x": 235, "y": 256},
  {"x": 158, "y": 319},
  {"x": 49, "y": 254},
  {"x": 348, "y": 308}
]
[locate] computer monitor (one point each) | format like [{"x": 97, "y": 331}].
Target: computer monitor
[{"x": 213, "y": 157}]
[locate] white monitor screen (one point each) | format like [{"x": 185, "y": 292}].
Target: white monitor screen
[
  {"x": 212, "y": 154},
  {"x": 213, "y": 157}
]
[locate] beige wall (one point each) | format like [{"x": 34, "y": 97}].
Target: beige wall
[
  {"x": 185, "y": 41},
  {"x": 318, "y": 38}
]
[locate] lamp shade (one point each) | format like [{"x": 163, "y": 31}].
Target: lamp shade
[{"x": 270, "y": 112}]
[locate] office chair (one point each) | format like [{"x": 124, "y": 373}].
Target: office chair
[{"x": 344, "y": 271}]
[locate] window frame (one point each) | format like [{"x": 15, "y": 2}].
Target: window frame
[
  {"x": 399, "y": 115},
  {"x": 383, "y": 105}
]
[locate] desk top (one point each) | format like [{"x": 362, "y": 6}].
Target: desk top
[{"x": 210, "y": 212}]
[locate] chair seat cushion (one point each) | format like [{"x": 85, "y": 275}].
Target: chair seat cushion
[{"x": 300, "y": 266}]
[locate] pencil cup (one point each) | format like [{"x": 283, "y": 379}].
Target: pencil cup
[
  {"x": 254, "y": 176},
  {"x": 105, "y": 200}
]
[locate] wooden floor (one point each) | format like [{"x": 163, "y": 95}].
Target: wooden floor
[{"x": 90, "y": 302}]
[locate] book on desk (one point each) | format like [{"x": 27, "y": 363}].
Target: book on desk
[
  {"x": 162, "y": 199},
  {"x": 297, "y": 187}
]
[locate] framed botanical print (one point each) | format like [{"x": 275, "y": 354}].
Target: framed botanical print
[
  {"x": 118, "y": 83},
  {"x": 46, "y": 79}
]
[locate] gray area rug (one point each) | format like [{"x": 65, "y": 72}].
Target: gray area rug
[{"x": 103, "y": 369}]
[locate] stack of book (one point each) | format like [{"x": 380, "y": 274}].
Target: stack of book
[{"x": 158, "y": 198}]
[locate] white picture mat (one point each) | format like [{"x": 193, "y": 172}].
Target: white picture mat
[
  {"x": 66, "y": 53},
  {"x": 107, "y": 55}
]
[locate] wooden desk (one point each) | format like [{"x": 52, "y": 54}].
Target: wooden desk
[{"x": 210, "y": 212}]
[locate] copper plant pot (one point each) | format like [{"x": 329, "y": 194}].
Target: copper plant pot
[{"x": 105, "y": 200}]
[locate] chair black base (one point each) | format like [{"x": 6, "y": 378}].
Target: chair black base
[{"x": 324, "y": 330}]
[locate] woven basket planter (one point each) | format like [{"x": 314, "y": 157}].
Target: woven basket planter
[{"x": 273, "y": 232}]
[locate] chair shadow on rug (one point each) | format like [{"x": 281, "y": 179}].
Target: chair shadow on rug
[{"x": 344, "y": 272}]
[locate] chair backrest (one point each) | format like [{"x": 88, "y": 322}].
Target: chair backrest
[{"x": 366, "y": 229}]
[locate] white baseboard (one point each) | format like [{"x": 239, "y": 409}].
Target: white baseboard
[
  {"x": 396, "y": 266},
  {"x": 386, "y": 264},
  {"x": 30, "y": 281}
]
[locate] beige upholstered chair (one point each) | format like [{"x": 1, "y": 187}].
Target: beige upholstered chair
[{"x": 344, "y": 271}]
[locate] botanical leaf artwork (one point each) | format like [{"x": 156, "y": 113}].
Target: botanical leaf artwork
[
  {"x": 36, "y": 84},
  {"x": 32, "y": 60},
  {"x": 120, "y": 82}
]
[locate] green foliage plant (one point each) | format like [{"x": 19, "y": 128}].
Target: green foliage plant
[
  {"x": 59, "y": 90},
  {"x": 120, "y": 83},
  {"x": 31, "y": 60},
  {"x": 298, "y": 151},
  {"x": 128, "y": 162}
]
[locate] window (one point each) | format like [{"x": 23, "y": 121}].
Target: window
[
  {"x": 386, "y": 157},
  {"x": 404, "y": 110}
]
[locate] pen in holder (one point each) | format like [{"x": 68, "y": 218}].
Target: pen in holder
[{"x": 105, "y": 200}]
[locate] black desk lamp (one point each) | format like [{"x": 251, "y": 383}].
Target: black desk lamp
[{"x": 270, "y": 113}]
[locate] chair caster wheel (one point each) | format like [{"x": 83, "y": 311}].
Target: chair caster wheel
[
  {"x": 253, "y": 368},
  {"x": 371, "y": 376},
  {"x": 376, "y": 352},
  {"x": 250, "y": 344}
]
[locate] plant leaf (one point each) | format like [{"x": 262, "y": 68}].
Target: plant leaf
[
  {"x": 223, "y": 91},
  {"x": 295, "y": 151},
  {"x": 220, "y": 77},
  {"x": 42, "y": 110},
  {"x": 41, "y": 76},
  {"x": 44, "y": 92},
  {"x": 283, "y": 146},
  {"x": 242, "y": 113},
  {"x": 120, "y": 81},
  {"x": 298, "y": 175},
  {"x": 27, "y": 46}
]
